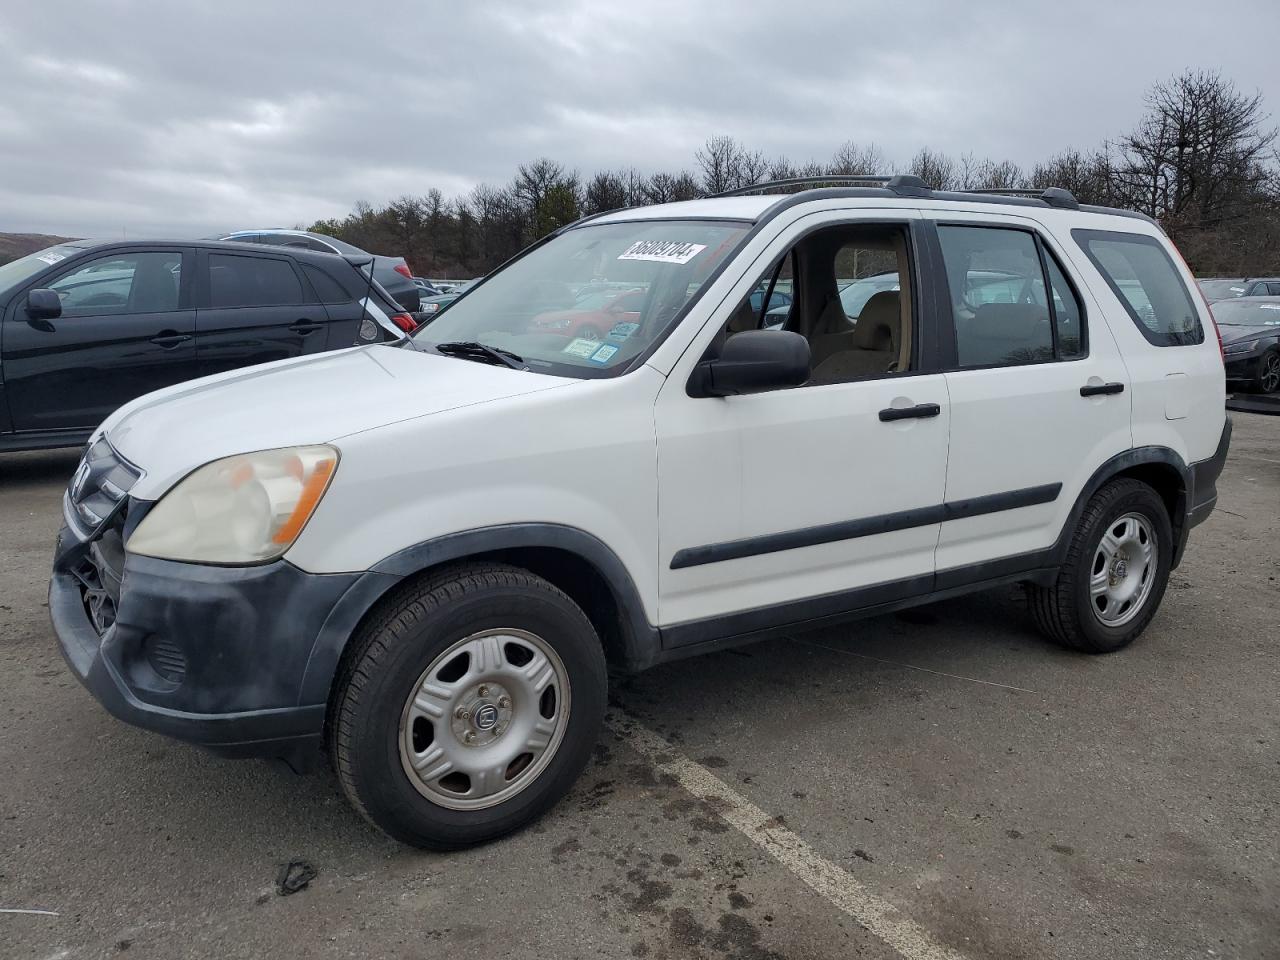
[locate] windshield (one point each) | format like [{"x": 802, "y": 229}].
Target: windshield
[
  {"x": 1222, "y": 289},
  {"x": 590, "y": 300},
  {"x": 1248, "y": 313},
  {"x": 18, "y": 271}
]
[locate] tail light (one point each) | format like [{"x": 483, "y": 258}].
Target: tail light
[
  {"x": 404, "y": 322},
  {"x": 403, "y": 270}
]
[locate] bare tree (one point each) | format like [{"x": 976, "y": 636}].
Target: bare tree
[
  {"x": 936, "y": 169},
  {"x": 851, "y": 159}
]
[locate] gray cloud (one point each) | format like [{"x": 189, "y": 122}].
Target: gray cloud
[{"x": 185, "y": 119}]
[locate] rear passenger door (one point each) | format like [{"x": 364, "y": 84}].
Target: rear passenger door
[
  {"x": 254, "y": 308},
  {"x": 1038, "y": 392}
]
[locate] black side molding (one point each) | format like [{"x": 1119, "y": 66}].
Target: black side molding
[
  {"x": 1101, "y": 389},
  {"x": 864, "y": 526}
]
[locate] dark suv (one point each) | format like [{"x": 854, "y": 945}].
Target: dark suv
[{"x": 86, "y": 326}]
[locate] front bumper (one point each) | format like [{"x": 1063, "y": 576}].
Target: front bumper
[
  {"x": 212, "y": 655},
  {"x": 1243, "y": 366}
]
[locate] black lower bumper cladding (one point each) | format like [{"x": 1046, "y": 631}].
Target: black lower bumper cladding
[{"x": 211, "y": 655}]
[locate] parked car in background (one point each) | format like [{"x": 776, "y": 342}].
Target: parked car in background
[
  {"x": 433, "y": 305},
  {"x": 86, "y": 326},
  {"x": 594, "y": 316},
  {"x": 1226, "y": 288},
  {"x": 392, "y": 272},
  {"x": 1250, "y": 329},
  {"x": 425, "y": 288}
]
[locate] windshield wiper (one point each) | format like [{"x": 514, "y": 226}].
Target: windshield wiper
[{"x": 481, "y": 352}]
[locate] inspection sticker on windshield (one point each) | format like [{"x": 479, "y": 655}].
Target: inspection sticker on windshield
[
  {"x": 582, "y": 347},
  {"x": 662, "y": 251},
  {"x": 603, "y": 354},
  {"x": 621, "y": 331},
  {"x": 51, "y": 258}
]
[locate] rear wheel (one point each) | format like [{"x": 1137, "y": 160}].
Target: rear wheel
[
  {"x": 469, "y": 707},
  {"x": 1115, "y": 573}
]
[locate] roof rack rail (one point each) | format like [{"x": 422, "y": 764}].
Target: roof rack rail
[
  {"x": 904, "y": 184},
  {"x": 1053, "y": 196}
]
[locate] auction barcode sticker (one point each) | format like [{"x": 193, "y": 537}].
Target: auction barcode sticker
[{"x": 662, "y": 251}]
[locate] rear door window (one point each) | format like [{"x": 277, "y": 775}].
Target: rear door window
[
  {"x": 1011, "y": 302},
  {"x": 245, "y": 281},
  {"x": 1141, "y": 274}
]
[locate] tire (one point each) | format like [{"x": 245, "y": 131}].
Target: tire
[
  {"x": 442, "y": 669},
  {"x": 1070, "y": 612},
  {"x": 1268, "y": 378}
]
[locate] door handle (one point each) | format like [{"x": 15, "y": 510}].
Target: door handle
[
  {"x": 917, "y": 412},
  {"x": 169, "y": 340},
  {"x": 305, "y": 326},
  {"x": 1101, "y": 389}
]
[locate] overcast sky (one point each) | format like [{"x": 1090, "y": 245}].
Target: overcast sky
[{"x": 185, "y": 118}]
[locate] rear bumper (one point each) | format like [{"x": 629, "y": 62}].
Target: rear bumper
[
  {"x": 211, "y": 655},
  {"x": 1202, "y": 491},
  {"x": 1203, "y": 495}
]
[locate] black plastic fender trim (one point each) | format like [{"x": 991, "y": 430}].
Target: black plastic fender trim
[{"x": 640, "y": 638}]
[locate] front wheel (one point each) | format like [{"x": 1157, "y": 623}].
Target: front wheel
[
  {"x": 469, "y": 707},
  {"x": 1268, "y": 379},
  {"x": 1115, "y": 573}
]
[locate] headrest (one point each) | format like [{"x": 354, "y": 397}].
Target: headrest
[{"x": 878, "y": 324}]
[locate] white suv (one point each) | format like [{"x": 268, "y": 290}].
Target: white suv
[{"x": 423, "y": 558}]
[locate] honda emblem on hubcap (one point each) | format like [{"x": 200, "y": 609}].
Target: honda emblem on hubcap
[{"x": 486, "y": 716}]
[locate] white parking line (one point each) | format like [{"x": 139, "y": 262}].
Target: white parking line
[{"x": 831, "y": 882}]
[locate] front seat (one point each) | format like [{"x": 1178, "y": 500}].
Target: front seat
[
  {"x": 154, "y": 288},
  {"x": 871, "y": 348}
]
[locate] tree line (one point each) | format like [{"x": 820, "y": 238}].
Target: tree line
[{"x": 1202, "y": 160}]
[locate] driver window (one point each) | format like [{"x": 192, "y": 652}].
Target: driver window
[
  {"x": 840, "y": 288},
  {"x": 135, "y": 283}
]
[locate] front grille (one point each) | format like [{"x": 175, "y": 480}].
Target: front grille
[
  {"x": 97, "y": 505},
  {"x": 100, "y": 487}
]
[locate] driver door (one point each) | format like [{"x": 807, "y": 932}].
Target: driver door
[
  {"x": 127, "y": 328},
  {"x": 798, "y": 503}
]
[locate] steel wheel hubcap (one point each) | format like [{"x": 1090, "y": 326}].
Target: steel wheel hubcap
[
  {"x": 484, "y": 719},
  {"x": 1123, "y": 570}
]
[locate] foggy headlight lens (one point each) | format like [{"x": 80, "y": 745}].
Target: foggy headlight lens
[
  {"x": 1240, "y": 347},
  {"x": 243, "y": 509}
]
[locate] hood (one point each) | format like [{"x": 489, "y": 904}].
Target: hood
[
  {"x": 315, "y": 399},
  {"x": 1233, "y": 334}
]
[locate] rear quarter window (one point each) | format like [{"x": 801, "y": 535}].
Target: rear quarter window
[{"x": 1145, "y": 280}]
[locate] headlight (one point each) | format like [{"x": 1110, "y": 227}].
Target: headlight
[
  {"x": 1241, "y": 347},
  {"x": 244, "y": 509},
  {"x": 430, "y": 307}
]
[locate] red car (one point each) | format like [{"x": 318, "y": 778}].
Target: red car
[{"x": 593, "y": 316}]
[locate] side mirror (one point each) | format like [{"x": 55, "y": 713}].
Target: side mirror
[
  {"x": 43, "y": 304},
  {"x": 751, "y": 362}
]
